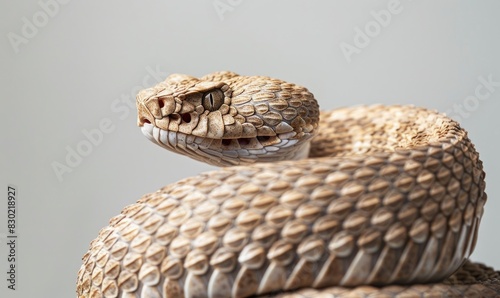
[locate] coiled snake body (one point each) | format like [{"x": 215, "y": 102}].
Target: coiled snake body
[{"x": 371, "y": 200}]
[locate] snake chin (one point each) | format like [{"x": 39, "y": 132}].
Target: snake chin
[{"x": 230, "y": 152}]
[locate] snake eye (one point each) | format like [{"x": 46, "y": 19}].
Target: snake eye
[{"x": 212, "y": 100}]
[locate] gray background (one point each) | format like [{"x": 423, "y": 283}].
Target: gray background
[{"x": 72, "y": 73}]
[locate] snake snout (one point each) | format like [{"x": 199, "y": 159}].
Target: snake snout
[
  {"x": 153, "y": 108},
  {"x": 144, "y": 115}
]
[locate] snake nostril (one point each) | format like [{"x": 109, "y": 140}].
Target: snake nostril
[
  {"x": 186, "y": 117},
  {"x": 161, "y": 103}
]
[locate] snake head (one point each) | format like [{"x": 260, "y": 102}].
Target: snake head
[{"x": 227, "y": 119}]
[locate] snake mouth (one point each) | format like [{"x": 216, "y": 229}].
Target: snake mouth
[{"x": 221, "y": 151}]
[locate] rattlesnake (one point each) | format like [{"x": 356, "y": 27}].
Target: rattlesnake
[{"x": 378, "y": 201}]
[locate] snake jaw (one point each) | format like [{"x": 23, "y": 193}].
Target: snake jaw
[{"x": 228, "y": 152}]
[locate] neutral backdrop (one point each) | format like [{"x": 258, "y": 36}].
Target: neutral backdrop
[{"x": 71, "y": 69}]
